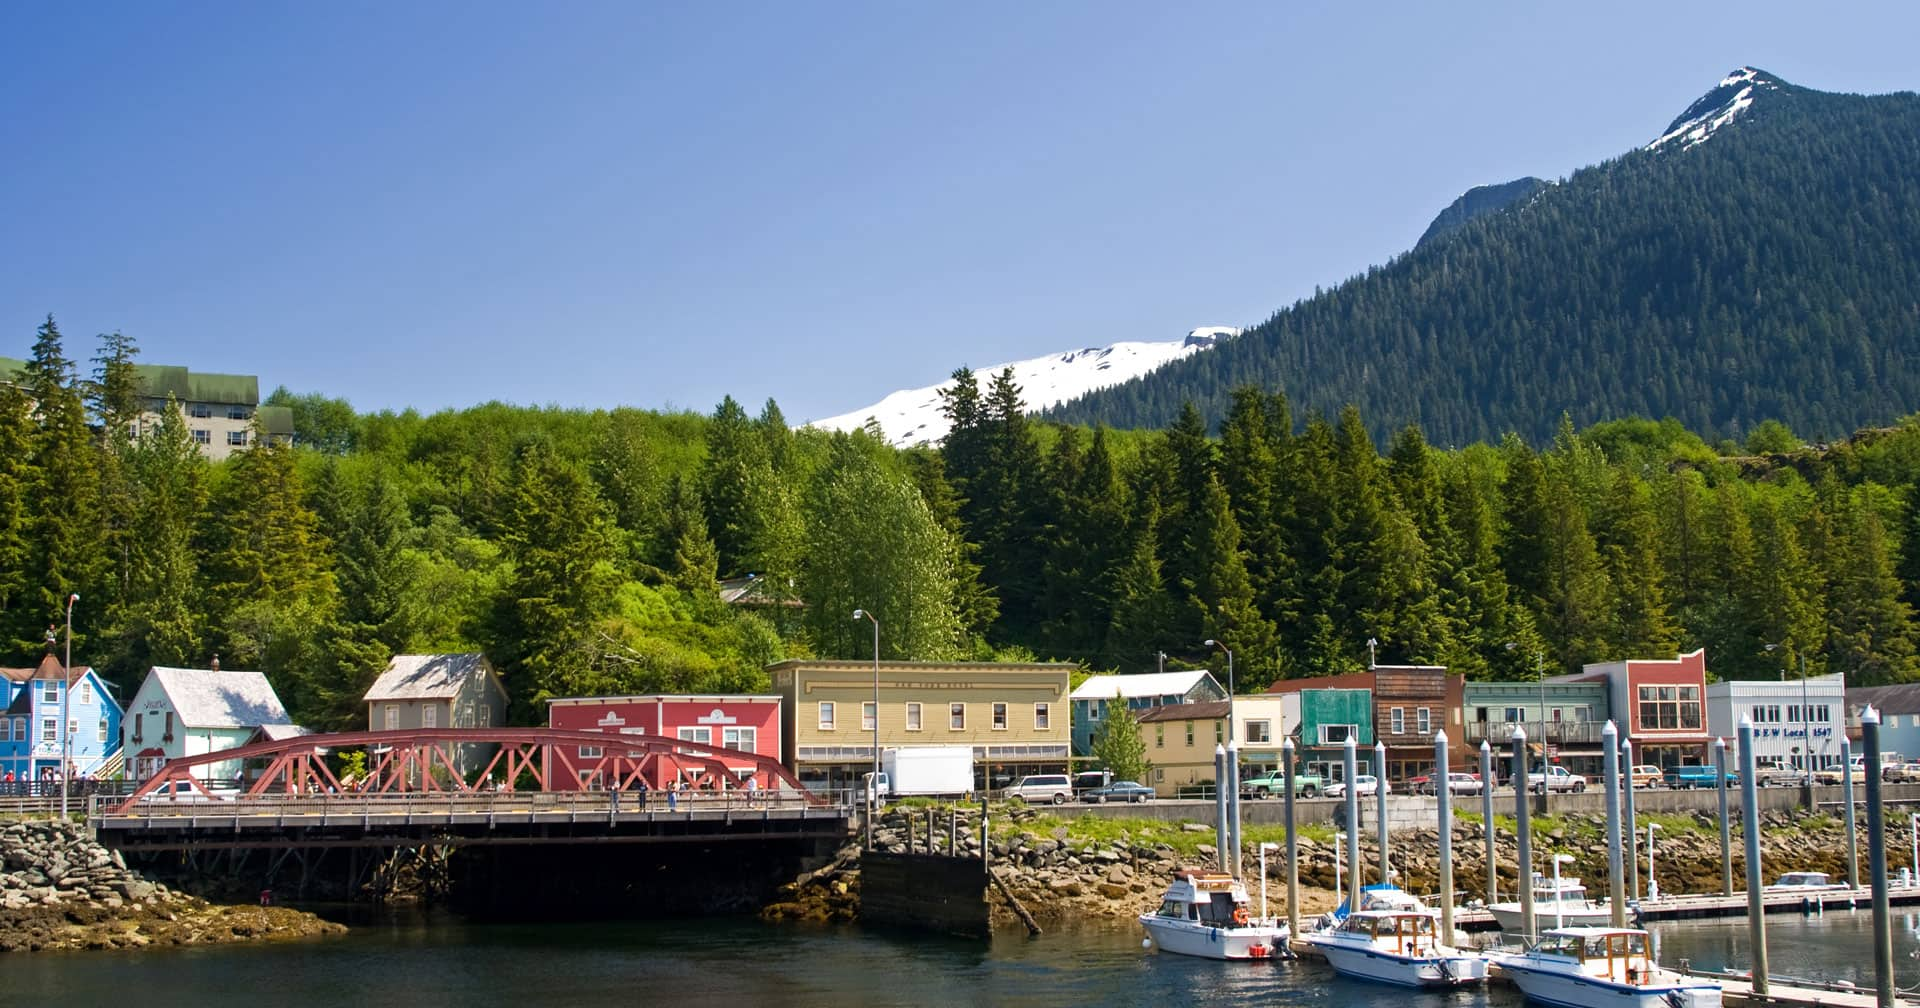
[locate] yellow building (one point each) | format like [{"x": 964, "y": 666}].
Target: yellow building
[
  {"x": 1015, "y": 717},
  {"x": 1180, "y": 739}
]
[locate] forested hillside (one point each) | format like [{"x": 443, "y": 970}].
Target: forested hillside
[
  {"x": 1770, "y": 272},
  {"x": 581, "y": 549}
]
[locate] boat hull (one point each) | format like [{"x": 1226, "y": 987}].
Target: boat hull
[
  {"x": 1364, "y": 962},
  {"x": 1565, "y": 989},
  {"x": 1256, "y": 941}
]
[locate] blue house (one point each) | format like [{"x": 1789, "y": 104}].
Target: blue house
[
  {"x": 31, "y": 734},
  {"x": 1141, "y": 692}
]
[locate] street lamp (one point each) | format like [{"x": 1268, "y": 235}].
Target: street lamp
[
  {"x": 1371, "y": 644},
  {"x": 1269, "y": 846},
  {"x": 1339, "y": 846},
  {"x": 1653, "y": 888},
  {"x": 1539, "y": 672},
  {"x": 1559, "y": 904},
  {"x": 66, "y": 732},
  {"x": 1216, "y": 644},
  {"x": 873, "y": 782},
  {"x": 1806, "y": 719}
]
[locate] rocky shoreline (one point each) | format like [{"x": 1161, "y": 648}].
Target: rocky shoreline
[
  {"x": 60, "y": 890},
  {"x": 1059, "y": 873}
]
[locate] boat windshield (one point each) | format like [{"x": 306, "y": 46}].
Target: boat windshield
[
  {"x": 1217, "y": 911},
  {"x": 1559, "y": 944},
  {"x": 1176, "y": 909}
]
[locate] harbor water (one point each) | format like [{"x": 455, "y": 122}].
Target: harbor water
[{"x": 436, "y": 961}]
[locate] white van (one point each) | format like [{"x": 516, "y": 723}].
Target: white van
[{"x": 1041, "y": 788}]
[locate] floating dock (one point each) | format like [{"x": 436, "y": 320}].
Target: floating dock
[{"x": 1682, "y": 906}]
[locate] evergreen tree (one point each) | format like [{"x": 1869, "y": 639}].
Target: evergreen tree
[
  {"x": 158, "y": 620},
  {"x": 1118, "y": 745},
  {"x": 1144, "y": 617},
  {"x": 1629, "y": 551},
  {"x": 1222, "y": 594},
  {"x": 1872, "y": 636}
]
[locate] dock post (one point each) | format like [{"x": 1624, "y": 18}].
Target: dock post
[
  {"x": 1443, "y": 796},
  {"x": 1726, "y": 828},
  {"x": 1616, "y": 876},
  {"x": 1523, "y": 825},
  {"x": 1220, "y": 784},
  {"x": 1486, "y": 811},
  {"x": 1630, "y": 836},
  {"x": 1233, "y": 802},
  {"x": 1293, "y": 845},
  {"x": 1853, "y": 836},
  {"x": 1750, "y": 830},
  {"x": 1353, "y": 824},
  {"x": 1380, "y": 803},
  {"x": 1877, "y": 860}
]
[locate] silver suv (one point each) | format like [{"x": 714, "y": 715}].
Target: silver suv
[{"x": 1041, "y": 788}]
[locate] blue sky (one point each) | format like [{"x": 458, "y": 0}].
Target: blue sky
[{"x": 433, "y": 205}]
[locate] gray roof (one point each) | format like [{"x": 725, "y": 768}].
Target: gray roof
[
  {"x": 426, "y": 676},
  {"x": 1900, "y": 698},
  {"x": 281, "y": 732},
  {"x": 223, "y": 699}
]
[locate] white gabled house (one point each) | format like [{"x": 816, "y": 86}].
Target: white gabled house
[{"x": 182, "y": 712}]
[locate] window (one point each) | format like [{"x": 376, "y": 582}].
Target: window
[
  {"x": 701, "y": 734},
  {"x": 85, "y": 695},
  {"x": 1159, "y": 736},
  {"x": 6, "y": 730},
  {"x": 1042, "y": 717},
  {"x": 49, "y": 729},
  {"x": 199, "y": 410},
  {"x": 1513, "y": 716},
  {"x": 201, "y": 436},
  {"x": 1189, "y": 734},
  {"x": 485, "y": 714},
  {"x": 50, "y": 691},
  {"x": 73, "y": 727},
  {"x": 999, "y": 717},
  {"x": 1095, "y": 708},
  {"x": 1793, "y": 712},
  {"x": 238, "y": 413},
  {"x": 957, "y": 716},
  {"x": 1676, "y": 707},
  {"x": 237, "y": 438},
  {"x": 429, "y": 716},
  {"x": 103, "y": 731},
  {"x": 393, "y": 717},
  {"x": 1259, "y": 731},
  {"x": 740, "y": 739},
  {"x": 1397, "y": 718},
  {"x": 1219, "y": 733},
  {"x": 1338, "y": 734},
  {"x": 869, "y": 714},
  {"x": 20, "y": 729},
  {"x": 826, "y": 715},
  {"x": 1583, "y": 714},
  {"x": 1424, "y": 716},
  {"x": 589, "y": 752},
  {"x": 913, "y": 717},
  {"x": 1159, "y": 775},
  {"x": 167, "y": 735}
]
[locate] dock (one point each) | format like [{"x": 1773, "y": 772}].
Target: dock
[{"x": 1684, "y": 906}]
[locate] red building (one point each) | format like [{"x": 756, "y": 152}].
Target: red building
[
  {"x": 1660, "y": 705},
  {"x": 747, "y": 723}
]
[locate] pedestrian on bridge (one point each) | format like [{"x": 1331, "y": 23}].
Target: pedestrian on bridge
[{"x": 753, "y": 791}]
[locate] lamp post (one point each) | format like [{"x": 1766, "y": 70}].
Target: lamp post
[
  {"x": 66, "y": 732},
  {"x": 1540, "y": 673},
  {"x": 1653, "y": 888},
  {"x": 873, "y": 782},
  {"x": 1339, "y": 844},
  {"x": 1559, "y": 904},
  {"x": 1216, "y": 644},
  {"x": 1806, "y": 718}
]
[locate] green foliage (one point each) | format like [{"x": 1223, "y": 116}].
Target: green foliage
[{"x": 1118, "y": 745}]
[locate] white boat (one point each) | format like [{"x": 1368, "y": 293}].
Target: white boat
[
  {"x": 1395, "y": 939},
  {"x": 1564, "y": 906},
  {"x": 1601, "y": 967},
  {"x": 1207, "y": 915},
  {"x": 1805, "y": 881}
]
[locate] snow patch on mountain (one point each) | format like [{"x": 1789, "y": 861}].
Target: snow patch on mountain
[
  {"x": 911, "y": 416},
  {"x": 1733, "y": 96}
]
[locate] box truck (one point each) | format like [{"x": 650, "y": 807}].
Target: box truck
[{"x": 945, "y": 771}]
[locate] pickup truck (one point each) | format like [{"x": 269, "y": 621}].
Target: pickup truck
[
  {"x": 1556, "y": 778},
  {"x": 1699, "y": 777},
  {"x": 1776, "y": 772},
  {"x": 1274, "y": 782}
]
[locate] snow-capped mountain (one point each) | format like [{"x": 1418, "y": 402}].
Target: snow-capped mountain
[
  {"x": 911, "y": 416},
  {"x": 1718, "y": 107}
]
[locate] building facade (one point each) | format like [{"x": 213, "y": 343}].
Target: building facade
[
  {"x": 1899, "y": 709},
  {"x": 1563, "y": 722},
  {"x": 1410, "y": 704},
  {"x": 1322, "y": 720},
  {"x": 1180, "y": 740},
  {"x": 1142, "y": 692},
  {"x": 750, "y": 724},
  {"x": 1659, "y": 705},
  {"x": 220, "y": 409},
  {"x": 32, "y": 735},
  {"x": 1800, "y": 721},
  {"x": 181, "y": 712},
  {"x": 1014, "y": 715},
  {"x": 440, "y": 691}
]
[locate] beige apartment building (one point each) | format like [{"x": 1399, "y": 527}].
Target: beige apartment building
[
  {"x": 1015, "y": 717},
  {"x": 1180, "y": 739},
  {"x": 219, "y": 409}
]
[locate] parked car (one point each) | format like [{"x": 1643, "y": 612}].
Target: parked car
[
  {"x": 1775, "y": 771},
  {"x": 1556, "y": 778},
  {"x": 1274, "y": 783},
  {"x": 1904, "y": 773},
  {"x": 1836, "y": 773},
  {"x": 1041, "y": 789},
  {"x": 1699, "y": 776},
  {"x": 1648, "y": 776},
  {"x": 1087, "y": 780},
  {"x": 1364, "y": 785},
  {"x": 1458, "y": 782},
  {"x": 1118, "y": 791}
]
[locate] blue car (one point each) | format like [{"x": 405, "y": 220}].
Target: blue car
[{"x": 1118, "y": 791}]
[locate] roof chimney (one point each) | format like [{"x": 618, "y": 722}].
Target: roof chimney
[{"x": 216, "y": 663}]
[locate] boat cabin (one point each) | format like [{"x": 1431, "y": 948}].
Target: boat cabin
[
  {"x": 1803, "y": 880},
  {"x": 1209, "y": 898},
  {"x": 1567, "y": 890},
  {"x": 1410, "y": 934},
  {"x": 1617, "y": 954}
]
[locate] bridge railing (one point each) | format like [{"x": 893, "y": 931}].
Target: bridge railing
[{"x": 343, "y": 804}]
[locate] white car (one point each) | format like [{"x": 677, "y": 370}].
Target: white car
[{"x": 1364, "y": 785}]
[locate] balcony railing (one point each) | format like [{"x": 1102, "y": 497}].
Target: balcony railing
[{"x": 1554, "y": 732}]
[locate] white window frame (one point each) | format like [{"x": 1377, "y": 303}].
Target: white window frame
[
  {"x": 590, "y": 752},
  {"x": 392, "y": 717},
  {"x": 1042, "y": 716},
  {"x": 1397, "y": 720},
  {"x": 1328, "y": 735},
  {"x": 999, "y": 716},
  {"x": 702, "y": 734},
  {"x": 85, "y": 696},
  {"x": 826, "y": 715},
  {"x": 741, "y": 738},
  {"x": 869, "y": 715},
  {"x": 957, "y": 716},
  {"x": 429, "y": 716},
  {"x": 200, "y": 411},
  {"x": 49, "y": 729},
  {"x": 913, "y": 716},
  {"x": 202, "y": 436},
  {"x": 238, "y": 413},
  {"x": 50, "y": 691},
  {"x": 103, "y": 731},
  {"x": 6, "y": 729},
  {"x": 1423, "y": 718},
  {"x": 236, "y": 439},
  {"x": 485, "y": 714},
  {"x": 1264, "y": 727}
]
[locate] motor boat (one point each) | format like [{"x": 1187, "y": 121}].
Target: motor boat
[
  {"x": 1601, "y": 967},
  {"x": 1207, "y": 915},
  {"x": 1556, "y": 903},
  {"x": 1394, "y": 938},
  {"x": 1805, "y": 881}
]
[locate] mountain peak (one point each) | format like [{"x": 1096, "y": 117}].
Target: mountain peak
[{"x": 1732, "y": 97}]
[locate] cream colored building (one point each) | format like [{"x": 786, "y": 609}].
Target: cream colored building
[
  {"x": 1180, "y": 739},
  {"x": 221, "y": 410},
  {"x": 1015, "y": 717}
]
